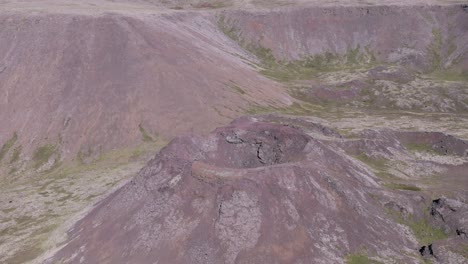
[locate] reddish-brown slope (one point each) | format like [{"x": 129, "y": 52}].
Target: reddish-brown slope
[
  {"x": 252, "y": 192},
  {"x": 86, "y": 82},
  {"x": 422, "y": 36}
]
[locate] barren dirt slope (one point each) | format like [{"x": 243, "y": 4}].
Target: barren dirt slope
[
  {"x": 357, "y": 163},
  {"x": 90, "y": 83}
]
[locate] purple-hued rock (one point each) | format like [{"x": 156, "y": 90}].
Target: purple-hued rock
[{"x": 251, "y": 192}]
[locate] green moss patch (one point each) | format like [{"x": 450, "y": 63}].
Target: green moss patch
[
  {"x": 228, "y": 30},
  {"x": 310, "y": 67},
  {"x": 305, "y": 68},
  {"x": 26, "y": 255},
  {"x": 450, "y": 75},
  {"x": 376, "y": 164},
  {"x": 298, "y": 109},
  {"x": 424, "y": 232},
  {"x": 400, "y": 186},
  {"x": 211, "y": 5},
  {"x": 360, "y": 258},
  {"x": 42, "y": 154},
  {"x": 435, "y": 49},
  {"x": 8, "y": 145},
  {"x": 146, "y": 136},
  {"x": 12, "y": 171},
  {"x": 235, "y": 88},
  {"x": 420, "y": 147},
  {"x": 16, "y": 154}
]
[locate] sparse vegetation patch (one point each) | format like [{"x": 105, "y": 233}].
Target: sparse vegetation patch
[
  {"x": 16, "y": 154},
  {"x": 435, "y": 49},
  {"x": 303, "y": 69},
  {"x": 424, "y": 232},
  {"x": 401, "y": 186},
  {"x": 43, "y": 154},
  {"x": 7, "y": 146},
  {"x": 376, "y": 164},
  {"x": 360, "y": 258},
  {"x": 211, "y": 4},
  {"x": 451, "y": 75},
  {"x": 146, "y": 136},
  {"x": 420, "y": 147},
  {"x": 236, "y": 88}
]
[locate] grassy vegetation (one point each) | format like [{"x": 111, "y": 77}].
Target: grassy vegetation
[
  {"x": 303, "y": 69},
  {"x": 25, "y": 255},
  {"x": 450, "y": 75},
  {"x": 380, "y": 168},
  {"x": 236, "y": 88},
  {"x": 352, "y": 56},
  {"x": 435, "y": 49},
  {"x": 12, "y": 171},
  {"x": 371, "y": 59},
  {"x": 43, "y": 154},
  {"x": 424, "y": 232},
  {"x": 59, "y": 194},
  {"x": 211, "y": 4},
  {"x": 401, "y": 186},
  {"x": 145, "y": 135},
  {"x": 111, "y": 159},
  {"x": 294, "y": 109},
  {"x": 360, "y": 258},
  {"x": 376, "y": 164},
  {"x": 462, "y": 250},
  {"x": 420, "y": 147},
  {"x": 347, "y": 133},
  {"x": 310, "y": 66},
  {"x": 7, "y": 146},
  {"x": 452, "y": 46},
  {"x": 16, "y": 154},
  {"x": 228, "y": 30}
]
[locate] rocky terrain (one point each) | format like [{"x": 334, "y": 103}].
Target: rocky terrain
[
  {"x": 279, "y": 191},
  {"x": 349, "y": 143}
]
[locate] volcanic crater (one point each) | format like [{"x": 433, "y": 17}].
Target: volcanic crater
[
  {"x": 283, "y": 131},
  {"x": 252, "y": 191}
]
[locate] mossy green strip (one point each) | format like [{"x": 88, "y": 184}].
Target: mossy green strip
[
  {"x": 302, "y": 69},
  {"x": 435, "y": 49},
  {"x": 16, "y": 154},
  {"x": 360, "y": 258},
  {"x": 7, "y": 146},
  {"x": 424, "y": 232},
  {"x": 43, "y": 154},
  {"x": 376, "y": 164},
  {"x": 400, "y": 186},
  {"x": 420, "y": 147},
  {"x": 145, "y": 135}
]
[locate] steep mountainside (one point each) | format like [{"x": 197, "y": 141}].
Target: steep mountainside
[
  {"x": 349, "y": 145},
  {"x": 422, "y": 37},
  {"x": 92, "y": 83}
]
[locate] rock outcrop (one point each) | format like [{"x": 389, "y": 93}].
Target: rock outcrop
[{"x": 252, "y": 192}]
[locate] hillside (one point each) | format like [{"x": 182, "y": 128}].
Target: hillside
[{"x": 243, "y": 114}]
